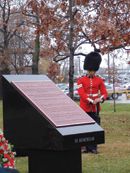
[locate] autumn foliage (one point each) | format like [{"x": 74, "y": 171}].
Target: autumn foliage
[
  {"x": 64, "y": 26},
  {"x": 104, "y": 24},
  {"x": 53, "y": 72},
  {"x": 59, "y": 29}
]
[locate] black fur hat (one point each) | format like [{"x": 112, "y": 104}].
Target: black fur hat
[{"x": 92, "y": 61}]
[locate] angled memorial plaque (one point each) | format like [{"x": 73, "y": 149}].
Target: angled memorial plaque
[
  {"x": 53, "y": 103},
  {"x": 40, "y": 119},
  {"x": 37, "y": 109}
]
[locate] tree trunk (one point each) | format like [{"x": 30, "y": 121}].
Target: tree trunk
[
  {"x": 37, "y": 48},
  {"x": 4, "y": 65},
  {"x": 71, "y": 75},
  {"x": 114, "y": 84},
  {"x": 36, "y": 56},
  {"x": 71, "y": 62}
]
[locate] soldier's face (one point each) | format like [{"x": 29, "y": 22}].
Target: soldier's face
[{"x": 91, "y": 73}]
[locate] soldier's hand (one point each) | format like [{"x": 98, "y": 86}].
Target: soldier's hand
[{"x": 98, "y": 100}]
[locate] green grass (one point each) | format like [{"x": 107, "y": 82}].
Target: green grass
[
  {"x": 22, "y": 164},
  {"x": 115, "y": 153}
]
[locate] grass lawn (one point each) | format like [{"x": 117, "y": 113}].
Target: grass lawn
[{"x": 115, "y": 153}]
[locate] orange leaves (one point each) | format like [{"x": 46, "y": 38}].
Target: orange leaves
[
  {"x": 121, "y": 121},
  {"x": 106, "y": 28},
  {"x": 42, "y": 3},
  {"x": 101, "y": 23},
  {"x": 63, "y": 6},
  {"x": 53, "y": 72},
  {"x": 124, "y": 36},
  {"x": 43, "y": 16},
  {"x": 125, "y": 134}
]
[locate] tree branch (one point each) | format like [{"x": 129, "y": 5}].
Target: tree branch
[
  {"x": 14, "y": 32},
  {"x": 60, "y": 58},
  {"x": 24, "y": 41},
  {"x": 95, "y": 49}
]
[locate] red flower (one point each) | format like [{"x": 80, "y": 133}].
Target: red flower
[
  {"x": 11, "y": 161},
  {"x": 1, "y": 137},
  {"x": 6, "y": 155},
  {"x": 5, "y": 165},
  {"x": 11, "y": 153},
  {"x": 1, "y": 143},
  {"x": 6, "y": 142},
  {"x": 5, "y": 147},
  {"x": 1, "y": 151}
]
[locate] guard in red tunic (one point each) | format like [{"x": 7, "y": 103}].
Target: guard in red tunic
[{"x": 88, "y": 88}]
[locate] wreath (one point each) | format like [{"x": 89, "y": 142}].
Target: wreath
[{"x": 6, "y": 155}]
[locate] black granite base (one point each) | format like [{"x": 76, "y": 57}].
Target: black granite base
[{"x": 47, "y": 161}]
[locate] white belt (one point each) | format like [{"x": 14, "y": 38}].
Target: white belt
[{"x": 92, "y": 95}]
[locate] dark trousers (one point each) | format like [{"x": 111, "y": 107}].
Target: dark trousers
[
  {"x": 97, "y": 119},
  {"x": 94, "y": 116}
]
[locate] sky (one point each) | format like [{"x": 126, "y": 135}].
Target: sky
[{"x": 104, "y": 64}]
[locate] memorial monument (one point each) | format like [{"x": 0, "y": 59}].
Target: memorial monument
[{"x": 40, "y": 118}]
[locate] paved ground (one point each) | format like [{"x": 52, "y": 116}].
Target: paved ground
[{"x": 121, "y": 99}]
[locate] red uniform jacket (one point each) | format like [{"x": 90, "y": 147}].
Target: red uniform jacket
[{"x": 88, "y": 89}]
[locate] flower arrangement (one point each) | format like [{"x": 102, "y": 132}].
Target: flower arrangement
[{"x": 6, "y": 155}]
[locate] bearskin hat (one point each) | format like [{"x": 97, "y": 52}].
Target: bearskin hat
[{"x": 92, "y": 61}]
